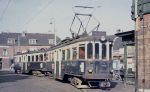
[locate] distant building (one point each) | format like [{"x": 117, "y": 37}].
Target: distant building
[
  {"x": 128, "y": 43},
  {"x": 11, "y": 43}
]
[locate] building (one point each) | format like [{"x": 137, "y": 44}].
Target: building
[
  {"x": 128, "y": 54},
  {"x": 140, "y": 13},
  {"x": 11, "y": 43}
]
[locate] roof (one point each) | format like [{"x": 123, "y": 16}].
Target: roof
[
  {"x": 127, "y": 36},
  {"x": 127, "y": 33},
  {"x": 23, "y": 38},
  {"x": 42, "y": 50}
]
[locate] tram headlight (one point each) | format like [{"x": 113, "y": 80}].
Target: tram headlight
[{"x": 90, "y": 70}]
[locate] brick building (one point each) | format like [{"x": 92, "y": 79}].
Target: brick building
[
  {"x": 11, "y": 43},
  {"x": 141, "y": 16}
]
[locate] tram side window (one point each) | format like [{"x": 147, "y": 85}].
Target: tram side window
[
  {"x": 32, "y": 58},
  {"x": 89, "y": 50},
  {"x": 20, "y": 59},
  {"x": 28, "y": 58},
  {"x": 96, "y": 51},
  {"x": 110, "y": 51},
  {"x": 57, "y": 54},
  {"x": 68, "y": 54},
  {"x": 103, "y": 51},
  {"x": 63, "y": 54},
  {"x": 53, "y": 56},
  {"x": 41, "y": 57},
  {"x": 45, "y": 56},
  {"x": 50, "y": 56},
  {"x": 37, "y": 58},
  {"x": 74, "y": 53},
  {"x": 82, "y": 51},
  {"x": 24, "y": 58}
]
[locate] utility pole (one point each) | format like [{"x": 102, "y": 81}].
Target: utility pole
[
  {"x": 52, "y": 21},
  {"x": 18, "y": 43},
  {"x": 134, "y": 17}
]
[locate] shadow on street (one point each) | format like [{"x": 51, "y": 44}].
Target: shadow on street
[{"x": 9, "y": 76}]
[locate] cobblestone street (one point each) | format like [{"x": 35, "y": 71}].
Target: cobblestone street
[{"x": 10, "y": 82}]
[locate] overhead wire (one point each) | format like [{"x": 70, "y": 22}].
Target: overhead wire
[
  {"x": 33, "y": 17},
  {"x": 4, "y": 11}
]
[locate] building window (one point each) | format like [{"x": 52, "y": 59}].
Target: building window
[
  {"x": 5, "y": 52},
  {"x": 32, "y": 41},
  {"x": 51, "y": 41},
  {"x": 11, "y": 41},
  {"x": 89, "y": 51},
  {"x": 82, "y": 51}
]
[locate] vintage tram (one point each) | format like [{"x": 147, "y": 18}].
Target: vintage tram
[{"x": 84, "y": 59}]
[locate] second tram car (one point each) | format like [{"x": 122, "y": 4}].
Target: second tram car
[{"x": 34, "y": 62}]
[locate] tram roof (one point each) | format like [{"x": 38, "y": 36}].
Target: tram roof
[
  {"x": 31, "y": 52},
  {"x": 68, "y": 41}
]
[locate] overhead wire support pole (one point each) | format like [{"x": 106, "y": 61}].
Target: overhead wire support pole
[
  {"x": 136, "y": 43},
  {"x": 54, "y": 29}
]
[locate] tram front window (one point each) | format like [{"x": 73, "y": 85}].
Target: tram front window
[
  {"x": 96, "y": 51},
  {"x": 103, "y": 51},
  {"x": 82, "y": 51},
  {"x": 89, "y": 51}
]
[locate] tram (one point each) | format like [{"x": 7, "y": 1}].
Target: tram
[
  {"x": 33, "y": 62},
  {"x": 86, "y": 60}
]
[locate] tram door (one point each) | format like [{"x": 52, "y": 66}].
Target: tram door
[{"x": 57, "y": 69}]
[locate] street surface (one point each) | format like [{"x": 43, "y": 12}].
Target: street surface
[{"x": 10, "y": 82}]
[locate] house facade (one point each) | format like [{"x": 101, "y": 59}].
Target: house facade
[{"x": 11, "y": 43}]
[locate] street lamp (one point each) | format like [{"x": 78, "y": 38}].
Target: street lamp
[{"x": 52, "y": 21}]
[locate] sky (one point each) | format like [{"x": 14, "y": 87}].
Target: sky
[{"x": 35, "y": 16}]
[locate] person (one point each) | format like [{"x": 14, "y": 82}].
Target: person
[
  {"x": 17, "y": 68},
  {"x": 12, "y": 67},
  {"x": 122, "y": 74}
]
